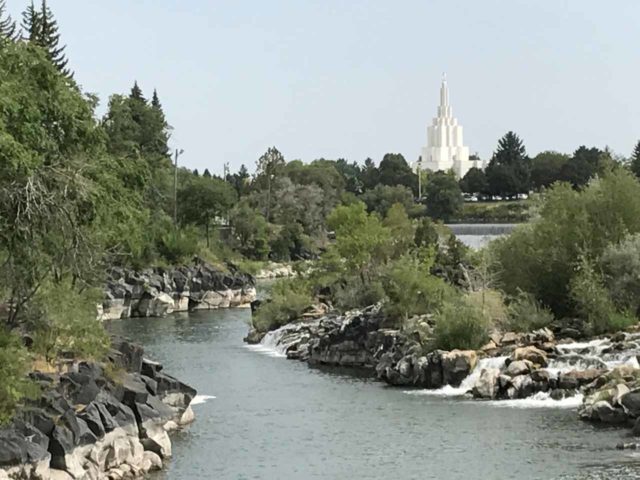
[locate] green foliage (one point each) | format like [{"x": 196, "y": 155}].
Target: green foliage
[
  {"x": 250, "y": 231},
  {"x": 620, "y": 264},
  {"x": 14, "y": 365},
  {"x": 634, "y": 165},
  {"x": 411, "y": 289},
  {"x": 546, "y": 168},
  {"x": 426, "y": 234},
  {"x": 509, "y": 171},
  {"x": 382, "y": 197},
  {"x": 361, "y": 239},
  {"x": 514, "y": 211},
  {"x": 289, "y": 299},
  {"x": 205, "y": 201},
  {"x": 593, "y": 302},
  {"x": 541, "y": 258},
  {"x": 460, "y": 325},
  {"x": 394, "y": 170},
  {"x": 584, "y": 165},
  {"x": 352, "y": 292},
  {"x": 526, "y": 314},
  {"x": 63, "y": 322},
  {"x": 178, "y": 246},
  {"x": 8, "y": 29},
  {"x": 443, "y": 196},
  {"x": 474, "y": 181}
]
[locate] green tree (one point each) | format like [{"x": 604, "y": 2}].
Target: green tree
[
  {"x": 42, "y": 30},
  {"x": 509, "y": 171},
  {"x": 474, "y": 181},
  {"x": 394, "y": 170},
  {"x": 584, "y": 165},
  {"x": 206, "y": 173},
  {"x": 8, "y": 29},
  {"x": 31, "y": 23},
  {"x": 250, "y": 231},
  {"x": 443, "y": 196},
  {"x": 370, "y": 175},
  {"x": 382, "y": 197},
  {"x": 269, "y": 167},
  {"x": 203, "y": 200},
  {"x": 351, "y": 175},
  {"x": 401, "y": 230},
  {"x": 546, "y": 168},
  {"x": 635, "y": 160},
  {"x": 240, "y": 181}
]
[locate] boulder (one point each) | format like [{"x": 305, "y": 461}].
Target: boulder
[
  {"x": 630, "y": 401},
  {"x": 532, "y": 354},
  {"x": 604, "y": 412},
  {"x": 518, "y": 367},
  {"x": 161, "y": 305},
  {"x": 457, "y": 365},
  {"x": 577, "y": 378},
  {"x": 487, "y": 385}
]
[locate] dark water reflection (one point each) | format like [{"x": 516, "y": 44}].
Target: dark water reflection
[{"x": 279, "y": 419}]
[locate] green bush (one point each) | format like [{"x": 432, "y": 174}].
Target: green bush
[
  {"x": 63, "y": 321},
  {"x": 411, "y": 289},
  {"x": 541, "y": 258},
  {"x": 526, "y": 314},
  {"x": 621, "y": 267},
  {"x": 289, "y": 299},
  {"x": 179, "y": 245},
  {"x": 352, "y": 293},
  {"x": 460, "y": 325},
  {"x": 594, "y": 303},
  {"x": 14, "y": 383}
]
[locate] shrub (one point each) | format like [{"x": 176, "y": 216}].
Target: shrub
[
  {"x": 593, "y": 302},
  {"x": 14, "y": 384},
  {"x": 63, "y": 321},
  {"x": 178, "y": 245},
  {"x": 621, "y": 267},
  {"x": 490, "y": 303},
  {"x": 411, "y": 289},
  {"x": 289, "y": 299},
  {"x": 541, "y": 258},
  {"x": 460, "y": 325},
  {"x": 526, "y": 314},
  {"x": 353, "y": 293}
]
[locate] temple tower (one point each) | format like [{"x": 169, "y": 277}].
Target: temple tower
[{"x": 445, "y": 149}]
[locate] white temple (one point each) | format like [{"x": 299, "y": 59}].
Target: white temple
[{"x": 445, "y": 149}]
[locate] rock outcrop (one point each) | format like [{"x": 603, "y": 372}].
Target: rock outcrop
[
  {"x": 156, "y": 292},
  {"x": 97, "y": 422}
]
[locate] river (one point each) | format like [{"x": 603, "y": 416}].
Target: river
[{"x": 273, "y": 418}]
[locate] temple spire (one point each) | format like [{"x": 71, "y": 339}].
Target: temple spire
[{"x": 444, "y": 92}]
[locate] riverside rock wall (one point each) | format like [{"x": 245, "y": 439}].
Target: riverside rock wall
[
  {"x": 159, "y": 291},
  {"x": 86, "y": 425},
  {"x": 600, "y": 376}
]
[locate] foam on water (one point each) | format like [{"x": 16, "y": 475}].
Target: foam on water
[
  {"x": 200, "y": 399},
  {"x": 539, "y": 400},
  {"x": 270, "y": 344},
  {"x": 467, "y": 384}
]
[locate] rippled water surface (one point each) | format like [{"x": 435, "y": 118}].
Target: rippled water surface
[{"x": 277, "y": 419}]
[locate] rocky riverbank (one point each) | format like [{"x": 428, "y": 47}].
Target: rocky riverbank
[
  {"x": 97, "y": 421},
  {"x": 159, "y": 291},
  {"x": 601, "y": 376}
]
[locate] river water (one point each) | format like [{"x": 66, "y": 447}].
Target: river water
[
  {"x": 273, "y": 418},
  {"x": 477, "y": 235}
]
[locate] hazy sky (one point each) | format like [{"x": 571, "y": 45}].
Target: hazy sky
[{"x": 357, "y": 79}]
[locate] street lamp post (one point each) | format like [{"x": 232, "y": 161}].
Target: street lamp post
[{"x": 175, "y": 187}]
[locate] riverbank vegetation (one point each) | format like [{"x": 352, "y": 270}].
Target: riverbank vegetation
[{"x": 79, "y": 192}]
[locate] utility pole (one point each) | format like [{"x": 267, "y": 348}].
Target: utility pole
[
  {"x": 175, "y": 188},
  {"x": 419, "y": 172}
]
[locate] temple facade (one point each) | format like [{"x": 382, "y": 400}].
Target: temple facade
[{"x": 445, "y": 148}]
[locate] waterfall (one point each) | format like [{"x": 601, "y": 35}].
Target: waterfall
[{"x": 481, "y": 229}]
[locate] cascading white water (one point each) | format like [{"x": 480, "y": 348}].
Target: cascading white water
[
  {"x": 467, "y": 384},
  {"x": 271, "y": 344}
]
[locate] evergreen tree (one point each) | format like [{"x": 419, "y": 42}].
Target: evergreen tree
[
  {"x": 635, "y": 160},
  {"x": 136, "y": 93},
  {"x": 509, "y": 172},
  {"x": 8, "y": 29},
  {"x": 206, "y": 173},
  {"x": 43, "y": 31},
  {"x": 155, "y": 101},
  {"x": 31, "y": 24},
  {"x": 196, "y": 173}
]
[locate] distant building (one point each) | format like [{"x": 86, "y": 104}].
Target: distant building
[{"x": 445, "y": 149}]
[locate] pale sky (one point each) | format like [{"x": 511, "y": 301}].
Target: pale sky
[{"x": 357, "y": 79}]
